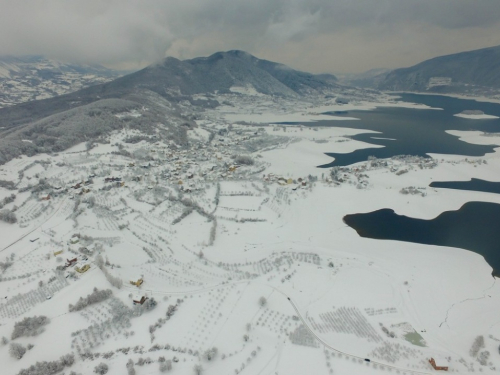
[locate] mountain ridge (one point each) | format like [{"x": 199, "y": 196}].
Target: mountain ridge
[
  {"x": 55, "y": 124},
  {"x": 449, "y": 73},
  {"x": 177, "y": 80}
]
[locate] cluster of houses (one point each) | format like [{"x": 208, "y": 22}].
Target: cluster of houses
[
  {"x": 186, "y": 168},
  {"x": 79, "y": 267},
  {"x": 297, "y": 183}
]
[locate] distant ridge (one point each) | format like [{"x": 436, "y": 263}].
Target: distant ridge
[
  {"x": 451, "y": 73},
  {"x": 27, "y": 78}
]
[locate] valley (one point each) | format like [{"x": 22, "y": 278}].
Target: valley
[{"x": 224, "y": 250}]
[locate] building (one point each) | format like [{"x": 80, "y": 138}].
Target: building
[
  {"x": 137, "y": 283},
  {"x": 56, "y": 253},
  {"x": 139, "y": 301},
  {"x": 82, "y": 268},
  {"x": 70, "y": 262},
  {"x": 282, "y": 181},
  {"x": 438, "y": 364}
]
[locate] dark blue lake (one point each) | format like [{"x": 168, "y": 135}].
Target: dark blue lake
[
  {"x": 415, "y": 131},
  {"x": 473, "y": 185},
  {"x": 474, "y": 227}
]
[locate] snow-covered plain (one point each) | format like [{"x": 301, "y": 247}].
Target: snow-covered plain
[{"x": 241, "y": 243}]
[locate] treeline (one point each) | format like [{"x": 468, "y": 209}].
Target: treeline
[
  {"x": 49, "y": 368},
  {"x": 113, "y": 280},
  {"x": 95, "y": 297},
  {"x": 54, "y": 132},
  {"x": 7, "y": 200},
  {"x": 29, "y": 326}
]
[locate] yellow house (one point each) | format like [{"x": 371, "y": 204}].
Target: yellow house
[
  {"x": 82, "y": 269},
  {"x": 137, "y": 283},
  {"x": 289, "y": 181},
  {"x": 56, "y": 253}
]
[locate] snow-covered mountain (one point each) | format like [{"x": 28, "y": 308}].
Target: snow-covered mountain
[
  {"x": 57, "y": 123},
  {"x": 465, "y": 72},
  {"x": 224, "y": 70},
  {"x": 27, "y": 78}
]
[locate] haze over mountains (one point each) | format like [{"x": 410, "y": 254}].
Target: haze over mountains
[{"x": 54, "y": 124}]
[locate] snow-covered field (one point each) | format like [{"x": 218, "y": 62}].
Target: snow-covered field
[{"x": 245, "y": 261}]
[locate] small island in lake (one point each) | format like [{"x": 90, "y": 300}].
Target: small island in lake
[{"x": 475, "y": 114}]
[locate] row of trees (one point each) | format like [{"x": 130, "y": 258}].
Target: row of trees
[
  {"x": 7, "y": 200},
  {"x": 49, "y": 368},
  {"x": 8, "y": 216},
  {"x": 113, "y": 280},
  {"x": 95, "y": 297}
]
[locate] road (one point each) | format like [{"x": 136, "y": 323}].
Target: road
[
  {"x": 37, "y": 227},
  {"x": 301, "y": 317}
]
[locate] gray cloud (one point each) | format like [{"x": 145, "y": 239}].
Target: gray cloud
[{"x": 314, "y": 35}]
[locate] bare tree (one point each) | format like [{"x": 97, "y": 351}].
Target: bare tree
[
  {"x": 198, "y": 369},
  {"x": 210, "y": 353}
]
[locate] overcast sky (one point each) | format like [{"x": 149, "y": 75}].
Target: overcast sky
[{"x": 335, "y": 36}]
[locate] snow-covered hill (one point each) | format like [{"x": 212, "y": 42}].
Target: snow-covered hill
[
  {"x": 174, "y": 90},
  {"x": 28, "y": 78}
]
